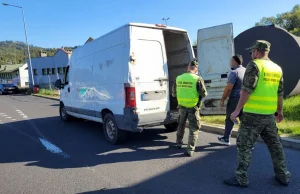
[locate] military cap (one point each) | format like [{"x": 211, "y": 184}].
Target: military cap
[
  {"x": 261, "y": 45},
  {"x": 193, "y": 63}
]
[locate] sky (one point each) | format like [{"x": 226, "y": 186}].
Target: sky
[{"x": 58, "y": 23}]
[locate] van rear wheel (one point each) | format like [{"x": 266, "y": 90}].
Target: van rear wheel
[
  {"x": 171, "y": 127},
  {"x": 113, "y": 134}
]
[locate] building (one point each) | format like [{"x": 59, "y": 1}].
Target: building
[
  {"x": 22, "y": 79},
  {"x": 47, "y": 69},
  {"x": 16, "y": 74}
]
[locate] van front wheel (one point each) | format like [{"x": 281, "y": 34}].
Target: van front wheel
[
  {"x": 171, "y": 127},
  {"x": 112, "y": 133},
  {"x": 63, "y": 113}
]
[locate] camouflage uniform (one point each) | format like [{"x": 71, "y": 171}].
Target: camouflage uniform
[
  {"x": 253, "y": 125},
  {"x": 193, "y": 116}
]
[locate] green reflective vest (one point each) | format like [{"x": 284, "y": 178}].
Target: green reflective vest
[
  {"x": 264, "y": 98},
  {"x": 186, "y": 89}
]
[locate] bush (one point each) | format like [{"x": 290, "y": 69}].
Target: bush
[{"x": 48, "y": 92}]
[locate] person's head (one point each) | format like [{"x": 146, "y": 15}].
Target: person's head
[
  {"x": 193, "y": 67},
  {"x": 236, "y": 60},
  {"x": 260, "y": 49}
]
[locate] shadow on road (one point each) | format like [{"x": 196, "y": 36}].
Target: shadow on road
[{"x": 84, "y": 142}]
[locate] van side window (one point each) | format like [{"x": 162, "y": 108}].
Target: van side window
[{"x": 67, "y": 76}]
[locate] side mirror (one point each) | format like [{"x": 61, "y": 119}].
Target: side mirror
[{"x": 58, "y": 84}]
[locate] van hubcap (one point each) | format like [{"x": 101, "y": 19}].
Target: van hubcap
[
  {"x": 110, "y": 129},
  {"x": 63, "y": 112}
]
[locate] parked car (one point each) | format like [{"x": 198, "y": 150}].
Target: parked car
[{"x": 8, "y": 89}]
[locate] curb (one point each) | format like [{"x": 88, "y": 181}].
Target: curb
[
  {"x": 286, "y": 142},
  {"x": 46, "y": 97}
]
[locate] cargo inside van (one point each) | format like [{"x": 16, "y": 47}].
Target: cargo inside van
[{"x": 179, "y": 54}]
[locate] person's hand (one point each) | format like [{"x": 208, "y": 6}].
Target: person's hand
[
  {"x": 222, "y": 103},
  {"x": 234, "y": 115},
  {"x": 279, "y": 117}
]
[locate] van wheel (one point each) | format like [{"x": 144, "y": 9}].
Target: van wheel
[
  {"x": 171, "y": 127},
  {"x": 112, "y": 133},
  {"x": 63, "y": 113}
]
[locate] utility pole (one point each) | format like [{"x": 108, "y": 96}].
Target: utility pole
[{"x": 28, "y": 51}]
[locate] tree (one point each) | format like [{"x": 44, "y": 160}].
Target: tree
[
  {"x": 289, "y": 20},
  {"x": 195, "y": 43}
]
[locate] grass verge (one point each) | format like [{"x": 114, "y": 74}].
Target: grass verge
[
  {"x": 290, "y": 125},
  {"x": 50, "y": 93}
]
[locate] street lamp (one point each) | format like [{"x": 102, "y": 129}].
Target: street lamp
[
  {"x": 28, "y": 51},
  {"x": 166, "y": 20}
]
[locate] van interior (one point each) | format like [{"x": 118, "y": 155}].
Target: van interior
[{"x": 178, "y": 56}]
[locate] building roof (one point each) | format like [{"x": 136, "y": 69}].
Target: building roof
[{"x": 10, "y": 68}]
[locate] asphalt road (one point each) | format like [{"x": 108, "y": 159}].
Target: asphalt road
[{"x": 41, "y": 154}]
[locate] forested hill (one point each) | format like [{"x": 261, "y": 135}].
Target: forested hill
[{"x": 14, "y": 52}]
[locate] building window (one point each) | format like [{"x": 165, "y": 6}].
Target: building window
[
  {"x": 64, "y": 70},
  {"x": 59, "y": 70},
  {"x": 49, "y": 71},
  {"x": 44, "y": 71},
  {"x": 53, "y": 71},
  {"x": 26, "y": 83},
  {"x": 35, "y": 72}
]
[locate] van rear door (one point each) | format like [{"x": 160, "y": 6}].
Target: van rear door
[
  {"x": 150, "y": 71},
  {"x": 214, "y": 50}
]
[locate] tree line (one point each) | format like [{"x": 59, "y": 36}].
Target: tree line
[{"x": 15, "y": 52}]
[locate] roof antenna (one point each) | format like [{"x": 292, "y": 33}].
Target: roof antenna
[{"x": 166, "y": 20}]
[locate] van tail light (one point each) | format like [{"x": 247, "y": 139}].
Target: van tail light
[{"x": 130, "y": 99}]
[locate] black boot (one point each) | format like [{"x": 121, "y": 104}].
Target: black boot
[
  {"x": 234, "y": 182},
  {"x": 281, "y": 182}
]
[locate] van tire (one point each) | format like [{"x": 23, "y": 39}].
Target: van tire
[
  {"x": 63, "y": 113},
  {"x": 112, "y": 133},
  {"x": 171, "y": 127}
]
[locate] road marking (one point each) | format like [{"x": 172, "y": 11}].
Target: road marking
[
  {"x": 25, "y": 117},
  {"x": 53, "y": 148},
  {"x": 14, "y": 119},
  {"x": 8, "y": 117}
]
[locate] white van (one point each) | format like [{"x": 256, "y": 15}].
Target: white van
[{"x": 124, "y": 79}]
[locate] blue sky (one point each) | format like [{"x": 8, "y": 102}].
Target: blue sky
[{"x": 59, "y": 23}]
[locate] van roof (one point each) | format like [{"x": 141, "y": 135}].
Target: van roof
[
  {"x": 142, "y": 25},
  {"x": 154, "y": 26}
]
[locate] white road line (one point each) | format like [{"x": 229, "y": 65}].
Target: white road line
[
  {"x": 53, "y": 148},
  {"x": 14, "y": 119},
  {"x": 9, "y": 117}
]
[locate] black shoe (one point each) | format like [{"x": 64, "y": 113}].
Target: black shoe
[
  {"x": 223, "y": 140},
  {"x": 178, "y": 146},
  {"x": 234, "y": 182},
  {"x": 189, "y": 154},
  {"x": 281, "y": 182}
]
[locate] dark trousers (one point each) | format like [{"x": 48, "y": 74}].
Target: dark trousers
[{"x": 231, "y": 105}]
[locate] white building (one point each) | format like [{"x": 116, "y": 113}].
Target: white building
[
  {"x": 22, "y": 78},
  {"x": 16, "y": 74},
  {"x": 47, "y": 69}
]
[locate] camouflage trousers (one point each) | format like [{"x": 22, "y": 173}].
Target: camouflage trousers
[
  {"x": 193, "y": 116},
  {"x": 253, "y": 125}
]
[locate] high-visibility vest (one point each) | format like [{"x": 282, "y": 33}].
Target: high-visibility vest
[
  {"x": 186, "y": 89},
  {"x": 264, "y": 98}
]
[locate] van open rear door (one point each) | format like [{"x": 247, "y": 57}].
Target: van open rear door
[
  {"x": 150, "y": 73},
  {"x": 214, "y": 50}
]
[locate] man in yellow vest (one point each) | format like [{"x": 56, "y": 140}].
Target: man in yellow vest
[
  {"x": 189, "y": 90},
  {"x": 262, "y": 98}
]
